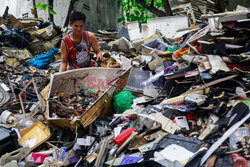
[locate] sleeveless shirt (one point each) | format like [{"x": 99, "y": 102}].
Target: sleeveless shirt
[{"x": 78, "y": 54}]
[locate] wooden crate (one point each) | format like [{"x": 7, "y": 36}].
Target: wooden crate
[{"x": 87, "y": 78}]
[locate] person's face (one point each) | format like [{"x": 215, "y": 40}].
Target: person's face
[{"x": 77, "y": 26}]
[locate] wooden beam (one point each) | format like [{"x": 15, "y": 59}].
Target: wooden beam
[
  {"x": 34, "y": 7},
  {"x": 51, "y": 16},
  {"x": 69, "y": 12},
  {"x": 167, "y": 7},
  {"x": 152, "y": 9}
]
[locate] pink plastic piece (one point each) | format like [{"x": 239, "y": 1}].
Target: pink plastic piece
[
  {"x": 239, "y": 161},
  {"x": 39, "y": 157}
]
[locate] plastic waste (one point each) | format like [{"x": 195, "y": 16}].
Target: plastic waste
[
  {"x": 123, "y": 101},
  {"x": 41, "y": 61}
]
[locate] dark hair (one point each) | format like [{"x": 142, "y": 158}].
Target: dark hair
[{"x": 75, "y": 15}]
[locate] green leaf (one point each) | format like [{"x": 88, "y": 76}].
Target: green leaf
[
  {"x": 39, "y": 5},
  {"x": 133, "y": 11},
  {"x": 124, "y": 3},
  {"x": 119, "y": 20},
  {"x": 148, "y": 2},
  {"x": 44, "y": 6},
  {"x": 51, "y": 11},
  {"x": 159, "y": 4},
  {"x": 126, "y": 9},
  {"x": 127, "y": 15},
  {"x": 133, "y": 18},
  {"x": 136, "y": 11}
]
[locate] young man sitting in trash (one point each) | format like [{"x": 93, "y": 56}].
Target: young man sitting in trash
[{"x": 75, "y": 46}]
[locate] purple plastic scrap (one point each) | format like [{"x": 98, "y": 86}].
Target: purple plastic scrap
[
  {"x": 169, "y": 69},
  {"x": 74, "y": 159},
  {"x": 129, "y": 160}
]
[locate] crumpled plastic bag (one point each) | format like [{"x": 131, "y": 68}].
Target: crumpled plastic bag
[
  {"x": 123, "y": 101},
  {"x": 41, "y": 61}
]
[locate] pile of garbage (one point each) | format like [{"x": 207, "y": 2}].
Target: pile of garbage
[{"x": 175, "y": 96}]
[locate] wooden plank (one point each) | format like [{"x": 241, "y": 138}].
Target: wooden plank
[
  {"x": 93, "y": 112},
  {"x": 104, "y": 103},
  {"x": 182, "y": 97},
  {"x": 44, "y": 94}
]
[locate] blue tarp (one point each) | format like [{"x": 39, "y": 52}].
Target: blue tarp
[{"x": 41, "y": 61}]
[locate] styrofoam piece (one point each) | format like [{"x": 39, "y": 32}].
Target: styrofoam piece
[
  {"x": 166, "y": 25},
  {"x": 5, "y": 87},
  {"x": 196, "y": 98},
  {"x": 181, "y": 121},
  {"x": 174, "y": 155},
  {"x": 85, "y": 141}
]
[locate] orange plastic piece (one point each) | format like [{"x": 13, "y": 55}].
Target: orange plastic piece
[{"x": 177, "y": 54}]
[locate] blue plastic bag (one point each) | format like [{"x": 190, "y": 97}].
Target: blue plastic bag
[{"x": 41, "y": 61}]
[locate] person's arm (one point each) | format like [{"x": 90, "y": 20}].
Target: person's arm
[
  {"x": 95, "y": 47},
  {"x": 64, "y": 55}
]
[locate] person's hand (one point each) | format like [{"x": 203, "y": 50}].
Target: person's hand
[{"x": 100, "y": 58}]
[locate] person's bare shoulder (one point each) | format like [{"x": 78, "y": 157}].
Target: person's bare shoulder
[{"x": 91, "y": 36}]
